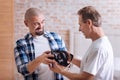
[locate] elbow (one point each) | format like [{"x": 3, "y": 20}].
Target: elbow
[{"x": 23, "y": 70}]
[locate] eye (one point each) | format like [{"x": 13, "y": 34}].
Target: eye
[
  {"x": 36, "y": 23},
  {"x": 43, "y": 21}
]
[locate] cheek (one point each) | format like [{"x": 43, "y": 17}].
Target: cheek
[
  {"x": 31, "y": 28},
  {"x": 42, "y": 25},
  {"x": 82, "y": 28}
]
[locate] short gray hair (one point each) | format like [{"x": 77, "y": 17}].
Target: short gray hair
[{"x": 89, "y": 12}]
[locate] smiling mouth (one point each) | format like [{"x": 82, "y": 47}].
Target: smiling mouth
[{"x": 37, "y": 29}]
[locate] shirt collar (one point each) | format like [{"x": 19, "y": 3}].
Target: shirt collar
[{"x": 29, "y": 35}]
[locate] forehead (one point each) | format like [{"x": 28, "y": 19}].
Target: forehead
[
  {"x": 38, "y": 17},
  {"x": 80, "y": 19}
]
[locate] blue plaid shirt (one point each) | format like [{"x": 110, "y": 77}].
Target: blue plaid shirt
[{"x": 25, "y": 52}]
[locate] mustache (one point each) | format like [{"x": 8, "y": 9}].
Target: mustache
[{"x": 37, "y": 28}]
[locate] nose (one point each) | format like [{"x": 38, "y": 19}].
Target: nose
[{"x": 38, "y": 25}]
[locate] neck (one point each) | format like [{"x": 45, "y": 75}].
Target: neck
[
  {"x": 97, "y": 33},
  {"x": 35, "y": 35}
]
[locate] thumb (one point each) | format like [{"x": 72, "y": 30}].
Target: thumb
[{"x": 47, "y": 52}]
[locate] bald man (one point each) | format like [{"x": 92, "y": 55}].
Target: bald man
[{"x": 32, "y": 51}]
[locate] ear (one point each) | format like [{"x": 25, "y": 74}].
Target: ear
[
  {"x": 89, "y": 23},
  {"x": 25, "y": 22}
]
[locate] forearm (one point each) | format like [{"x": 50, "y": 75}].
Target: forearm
[
  {"x": 78, "y": 76},
  {"x": 77, "y": 62},
  {"x": 33, "y": 65},
  {"x": 72, "y": 76},
  {"x": 44, "y": 58}
]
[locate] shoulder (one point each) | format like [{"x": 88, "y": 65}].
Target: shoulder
[
  {"x": 21, "y": 42},
  {"x": 56, "y": 36},
  {"x": 24, "y": 40},
  {"x": 99, "y": 50}
]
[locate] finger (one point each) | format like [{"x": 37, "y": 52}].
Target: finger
[
  {"x": 48, "y": 61},
  {"x": 53, "y": 64},
  {"x": 51, "y": 68},
  {"x": 47, "y": 52},
  {"x": 50, "y": 56},
  {"x": 70, "y": 56}
]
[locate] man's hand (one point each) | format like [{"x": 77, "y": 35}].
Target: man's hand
[
  {"x": 44, "y": 58},
  {"x": 40, "y": 59},
  {"x": 70, "y": 56},
  {"x": 55, "y": 67}
]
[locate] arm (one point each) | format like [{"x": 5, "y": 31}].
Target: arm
[
  {"x": 24, "y": 65},
  {"x": 73, "y": 76},
  {"x": 41, "y": 59},
  {"x": 77, "y": 62},
  {"x": 78, "y": 76},
  {"x": 21, "y": 60}
]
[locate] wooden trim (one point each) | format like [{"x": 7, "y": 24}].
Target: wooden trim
[{"x": 6, "y": 39}]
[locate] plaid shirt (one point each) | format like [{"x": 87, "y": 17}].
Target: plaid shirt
[{"x": 25, "y": 52}]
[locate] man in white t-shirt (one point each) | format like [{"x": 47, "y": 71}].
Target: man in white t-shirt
[{"x": 97, "y": 63}]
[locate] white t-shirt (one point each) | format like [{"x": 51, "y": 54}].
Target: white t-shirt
[
  {"x": 99, "y": 60},
  {"x": 41, "y": 45}
]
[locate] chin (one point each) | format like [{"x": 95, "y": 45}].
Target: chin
[{"x": 86, "y": 37}]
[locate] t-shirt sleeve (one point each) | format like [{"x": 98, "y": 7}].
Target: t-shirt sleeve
[{"x": 94, "y": 62}]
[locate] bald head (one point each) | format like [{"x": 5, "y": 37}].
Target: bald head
[{"x": 32, "y": 12}]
